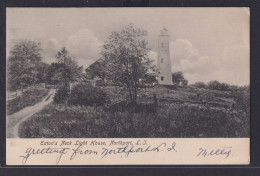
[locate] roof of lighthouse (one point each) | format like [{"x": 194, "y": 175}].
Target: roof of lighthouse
[{"x": 164, "y": 31}]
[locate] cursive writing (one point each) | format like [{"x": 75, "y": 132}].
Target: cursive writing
[
  {"x": 73, "y": 152},
  {"x": 31, "y": 151},
  {"x": 80, "y": 151},
  {"x": 224, "y": 151},
  {"x": 133, "y": 149}
]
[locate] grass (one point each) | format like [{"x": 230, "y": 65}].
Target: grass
[
  {"x": 170, "y": 119},
  {"x": 28, "y": 98}
]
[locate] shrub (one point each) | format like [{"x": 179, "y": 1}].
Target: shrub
[
  {"x": 199, "y": 85},
  {"x": 86, "y": 94},
  {"x": 215, "y": 85},
  {"x": 61, "y": 95}
]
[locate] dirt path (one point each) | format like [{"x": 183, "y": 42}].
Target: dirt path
[{"x": 13, "y": 121}]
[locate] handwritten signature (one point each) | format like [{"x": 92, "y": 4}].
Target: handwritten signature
[{"x": 224, "y": 151}]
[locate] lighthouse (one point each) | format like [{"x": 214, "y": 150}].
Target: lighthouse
[{"x": 164, "y": 61}]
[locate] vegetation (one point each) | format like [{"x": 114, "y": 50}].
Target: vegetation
[
  {"x": 28, "y": 98},
  {"x": 242, "y": 99},
  {"x": 23, "y": 65},
  {"x": 54, "y": 74},
  {"x": 178, "y": 78},
  {"x": 215, "y": 85},
  {"x": 199, "y": 85},
  {"x": 70, "y": 69},
  {"x": 86, "y": 94},
  {"x": 97, "y": 69},
  {"x": 127, "y": 63},
  {"x": 61, "y": 95},
  {"x": 42, "y": 71},
  {"x": 179, "y": 114}
]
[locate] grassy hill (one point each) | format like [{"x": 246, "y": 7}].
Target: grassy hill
[{"x": 181, "y": 112}]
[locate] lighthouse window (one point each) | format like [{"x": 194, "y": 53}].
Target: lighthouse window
[
  {"x": 162, "y": 78},
  {"x": 161, "y": 60}
]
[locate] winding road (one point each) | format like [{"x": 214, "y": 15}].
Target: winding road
[{"x": 13, "y": 121}]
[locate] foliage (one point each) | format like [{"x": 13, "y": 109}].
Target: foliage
[
  {"x": 215, "y": 85},
  {"x": 61, "y": 95},
  {"x": 42, "y": 71},
  {"x": 126, "y": 56},
  {"x": 101, "y": 83},
  {"x": 179, "y": 113},
  {"x": 172, "y": 120},
  {"x": 136, "y": 108},
  {"x": 185, "y": 82},
  {"x": 54, "y": 74},
  {"x": 28, "y": 98},
  {"x": 86, "y": 94},
  {"x": 242, "y": 99},
  {"x": 22, "y": 64},
  {"x": 148, "y": 81},
  {"x": 97, "y": 69},
  {"x": 199, "y": 85},
  {"x": 71, "y": 70},
  {"x": 178, "y": 78}
]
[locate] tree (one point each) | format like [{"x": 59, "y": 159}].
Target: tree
[
  {"x": 97, "y": 69},
  {"x": 177, "y": 77},
  {"x": 42, "y": 71},
  {"x": 22, "y": 64},
  {"x": 126, "y": 56},
  {"x": 71, "y": 70},
  {"x": 54, "y": 74}
]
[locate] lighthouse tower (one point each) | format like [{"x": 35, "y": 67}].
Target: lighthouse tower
[{"x": 164, "y": 61}]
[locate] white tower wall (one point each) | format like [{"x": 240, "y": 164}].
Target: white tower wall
[{"x": 164, "y": 61}]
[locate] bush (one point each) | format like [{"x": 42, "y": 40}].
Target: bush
[
  {"x": 199, "y": 85},
  {"x": 86, "y": 94},
  {"x": 215, "y": 85},
  {"x": 61, "y": 95}
]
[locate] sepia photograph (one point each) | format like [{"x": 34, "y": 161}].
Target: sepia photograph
[{"x": 127, "y": 73}]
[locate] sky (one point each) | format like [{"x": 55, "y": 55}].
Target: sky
[{"x": 205, "y": 43}]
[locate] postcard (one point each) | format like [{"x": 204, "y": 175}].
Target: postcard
[{"x": 128, "y": 86}]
